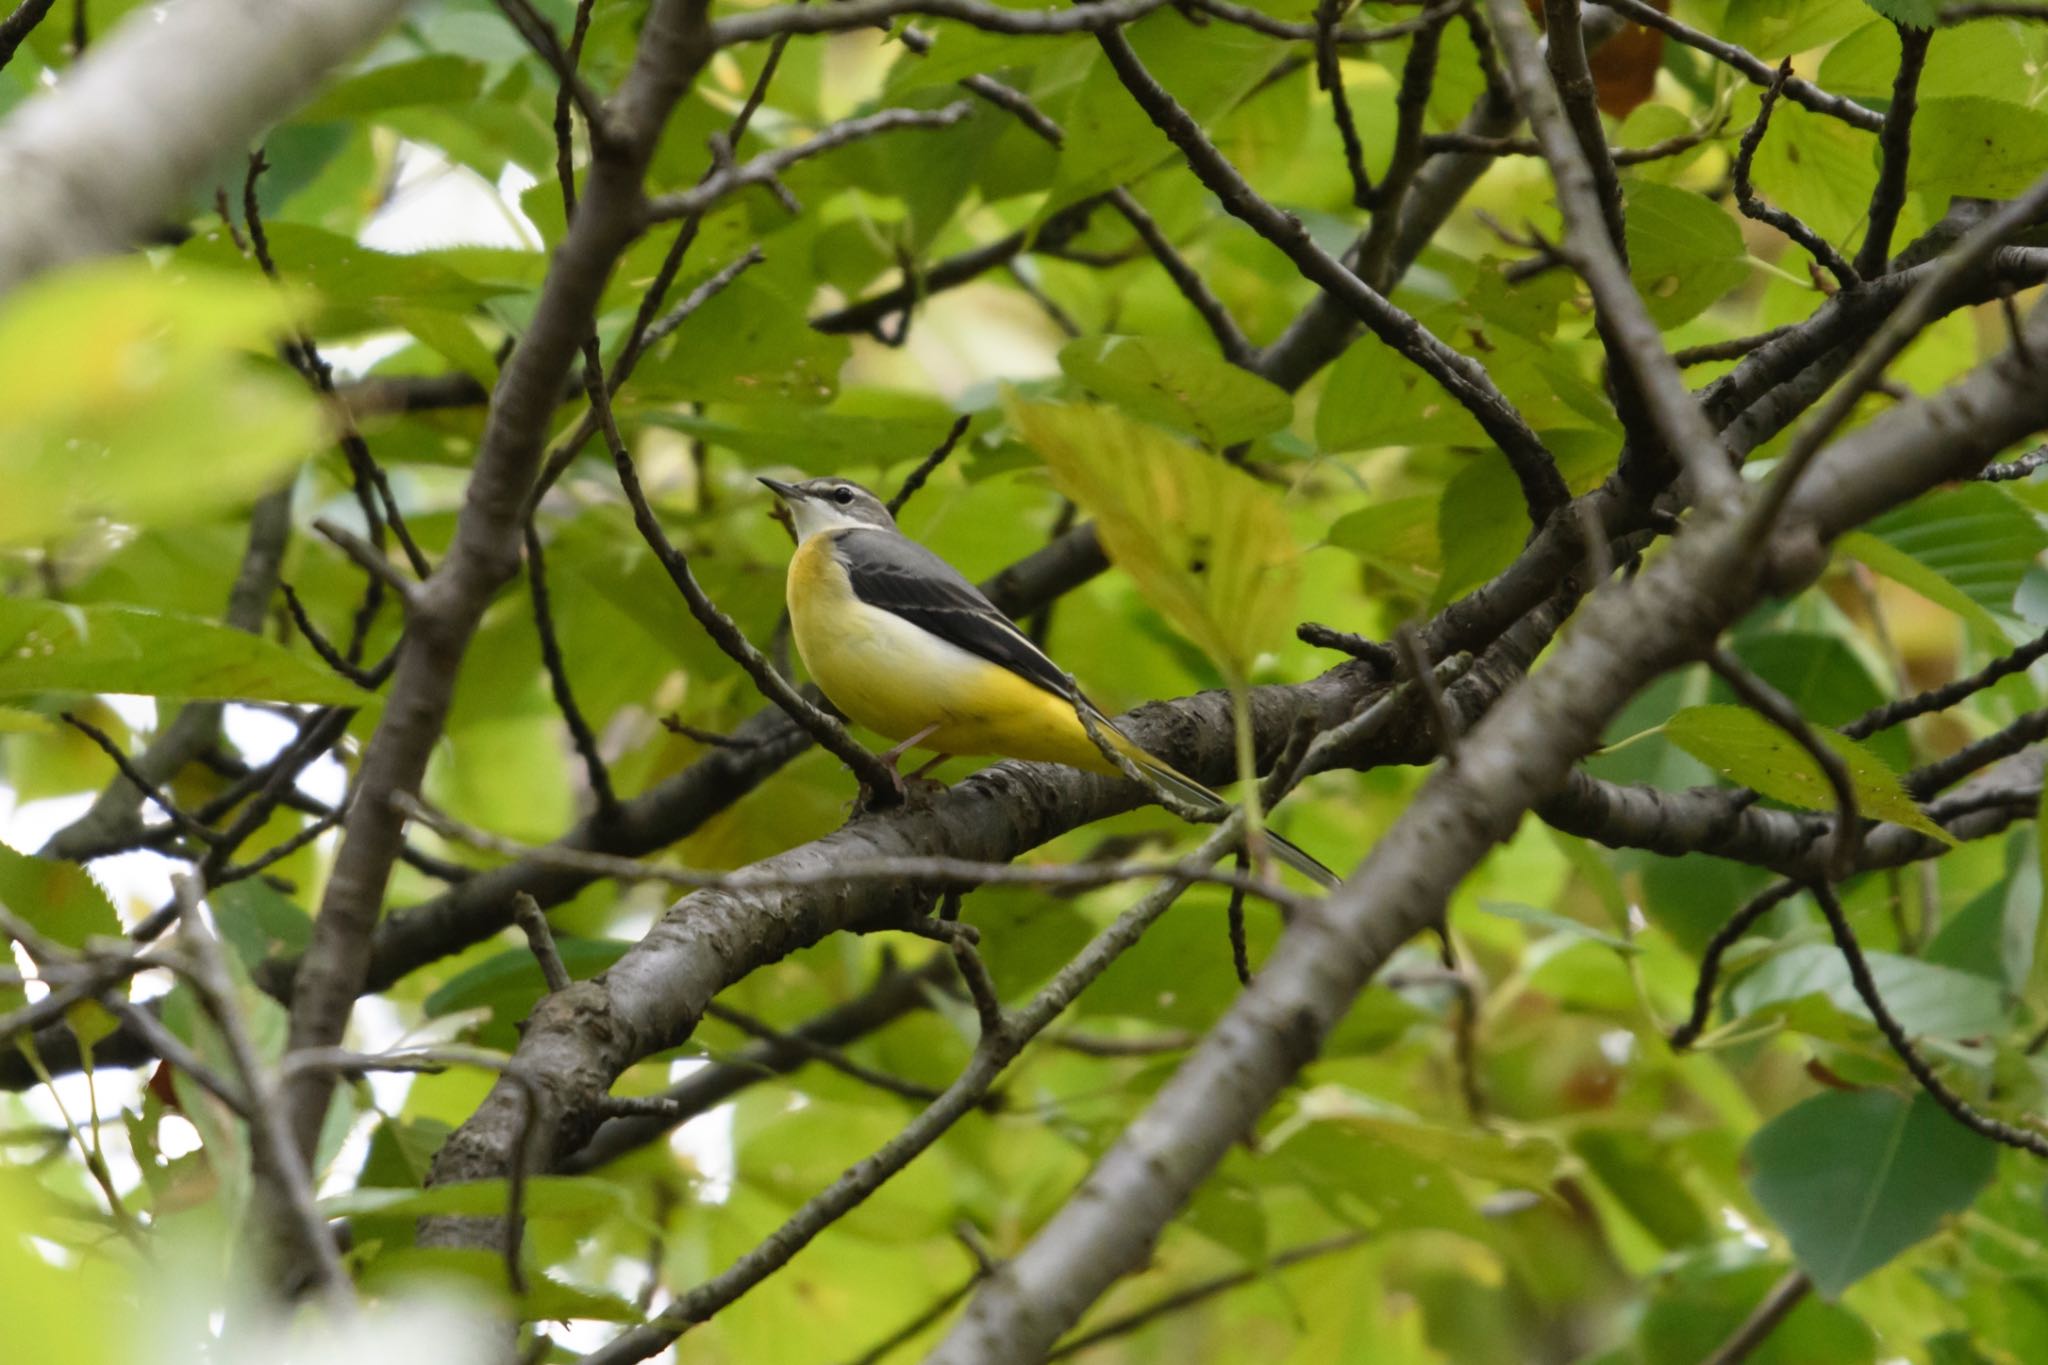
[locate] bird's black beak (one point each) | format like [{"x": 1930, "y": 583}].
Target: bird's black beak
[{"x": 788, "y": 492}]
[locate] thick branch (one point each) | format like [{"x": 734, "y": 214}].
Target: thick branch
[{"x": 212, "y": 74}]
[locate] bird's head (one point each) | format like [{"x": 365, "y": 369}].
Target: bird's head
[{"x": 830, "y": 504}]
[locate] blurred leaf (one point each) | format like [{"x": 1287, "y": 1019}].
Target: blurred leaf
[
  {"x": 1918, "y": 13},
  {"x": 1684, "y": 250},
  {"x": 1518, "y": 1161},
  {"x": 1110, "y": 141},
  {"x": 1550, "y": 922},
  {"x": 60, "y": 899},
  {"x": 1971, "y": 145},
  {"x": 1928, "y": 1000},
  {"x": 1745, "y": 748},
  {"x": 1974, "y": 537},
  {"x": 1178, "y": 384},
  {"x": 1208, "y": 545},
  {"x": 546, "y": 1196},
  {"x": 49, "y": 647},
  {"x": 360, "y": 287},
  {"x": 439, "y": 78},
  {"x": 1855, "y": 1178},
  {"x": 120, "y": 380}
]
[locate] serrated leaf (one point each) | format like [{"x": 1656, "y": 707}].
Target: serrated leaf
[
  {"x": 60, "y": 899},
  {"x": 1978, "y": 539},
  {"x": 50, "y": 647},
  {"x": 1179, "y": 384},
  {"x": 119, "y": 381},
  {"x": 1743, "y": 747},
  {"x": 1855, "y": 1178},
  {"x": 1208, "y": 545}
]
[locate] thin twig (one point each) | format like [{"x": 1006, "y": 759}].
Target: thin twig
[
  {"x": 2011, "y": 470},
  {"x": 1416, "y": 670},
  {"x": 1330, "y": 80},
  {"x": 994, "y": 1052},
  {"x": 540, "y": 35},
  {"x": 765, "y": 168},
  {"x": 1202, "y": 1290},
  {"x": 580, "y": 733},
  {"x": 185, "y": 822},
  {"x": 1895, "y": 147},
  {"x": 274, "y": 1153},
  {"x": 1464, "y": 378},
  {"x": 1885, "y": 716},
  {"x": 1237, "y": 348},
  {"x": 916, "y": 478},
  {"x": 1747, "y": 64},
  {"x": 367, "y": 558},
  {"x": 878, "y": 777},
  {"x": 1384, "y": 661},
  {"x": 931, "y": 870},
  {"x": 1961, "y": 1110},
  {"x": 369, "y": 679},
  {"x": 1746, "y": 199},
  {"x": 540, "y": 940},
  {"x": 1726, "y": 937},
  {"x": 1776, "y": 1306},
  {"x": 1912, "y": 313},
  {"x": 820, "y": 1052}
]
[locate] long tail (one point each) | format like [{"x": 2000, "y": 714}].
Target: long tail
[{"x": 1195, "y": 794}]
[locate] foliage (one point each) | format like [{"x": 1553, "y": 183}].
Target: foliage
[{"x": 1501, "y": 1159}]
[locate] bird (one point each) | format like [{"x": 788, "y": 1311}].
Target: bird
[{"x": 903, "y": 644}]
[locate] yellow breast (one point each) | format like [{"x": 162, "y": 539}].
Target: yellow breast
[{"x": 897, "y": 678}]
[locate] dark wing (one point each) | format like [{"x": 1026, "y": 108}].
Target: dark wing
[{"x": 900, "y": 576}]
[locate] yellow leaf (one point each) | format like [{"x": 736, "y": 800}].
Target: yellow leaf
[{"x": 1208, "y": 545}]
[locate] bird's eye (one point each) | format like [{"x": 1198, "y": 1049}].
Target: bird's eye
[{"x": 843, "y": 496}]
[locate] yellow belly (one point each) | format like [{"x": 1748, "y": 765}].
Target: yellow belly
[{"x": 898, "y": 679}]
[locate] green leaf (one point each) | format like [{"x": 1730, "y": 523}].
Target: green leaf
[
  {"x": 1398, "y": 537},
  {"x": 1110, "y": 141},
  {"x": 359, "y": 286},
  {"x": 119, "y": 381},
  {"x": 1743, "y": 747},
  {"x": 1179, "y": 384},
  {"x": 751, "y": 343},
  {"x": 1550, "y": 922},
  {"x": 1895, "y": 564},
  {"x": 1916, "y": 13},
  {"x": 1855, "y": 1178},
  {"x": 1927, "y": 999},
  {"x": 1518, "y": 1161},
  {"x": 512, "y": 979},
  {"x": 441, "y": 78},
  {"x": 1976, "y": 538},
  {"x": 1971, "y": 145},
  {"x": 547, "y": 1196},
  {"x": 1684, "y": 251},
  {"x": 1207, "y": 544},
  {"x": 49, "y": 647},
  {"x": 59, "y": 899}
]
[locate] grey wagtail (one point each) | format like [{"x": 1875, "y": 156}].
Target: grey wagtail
[{"x": 906, "y": 646}]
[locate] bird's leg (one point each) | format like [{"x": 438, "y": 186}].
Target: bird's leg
[
  {"x": 894, "y": 756},
  {"x": 936, "y": 760},
  {"x": 891, "y": 757}
]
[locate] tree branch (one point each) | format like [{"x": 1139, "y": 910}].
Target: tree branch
[
  {"x": 212, "y": 73},
  {"x": 1462, "y": 377}
]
